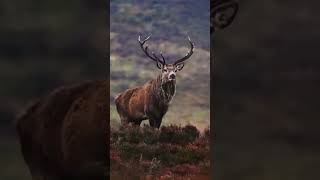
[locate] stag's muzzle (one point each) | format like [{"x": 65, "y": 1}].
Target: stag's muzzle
[{"x": 172, "y": 76}]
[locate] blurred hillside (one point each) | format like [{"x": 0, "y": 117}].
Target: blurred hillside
[
  {"x": 44, "y": 44},
  {"x": 266, "y": 81},
  {"x": 47, "y": 44},
  {"x": 169, "y": 22}
]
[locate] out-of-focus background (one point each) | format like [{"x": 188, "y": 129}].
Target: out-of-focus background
[
  {"x": 266, "y": 92},
  {"x": 43, "y": 45},
  {"x": 266, "y": 81},
  {"x": 169, "y": 22}
]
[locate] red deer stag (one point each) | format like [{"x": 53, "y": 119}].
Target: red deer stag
[
  {"x": 64, "y": 135},
  {"x": 151, "y": 101}
]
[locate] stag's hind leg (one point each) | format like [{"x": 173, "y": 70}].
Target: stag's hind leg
[
  {"x": 123, "y": 114},
  {"x": 124, "y": 120}
]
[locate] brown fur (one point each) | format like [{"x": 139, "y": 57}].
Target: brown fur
[
  {"x": 150, "y": 101},
  {"x": 63, "y": 136}
]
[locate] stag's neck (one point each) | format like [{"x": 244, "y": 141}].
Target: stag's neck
[{"x": 165, "y": 90}]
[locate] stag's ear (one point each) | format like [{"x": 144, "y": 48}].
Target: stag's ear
[
  {"x": 159, "y": 65},
  {"x": 179, "y": 67}
]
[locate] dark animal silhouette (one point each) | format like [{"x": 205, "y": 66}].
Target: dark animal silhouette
[
  {"x": 64, "y": 135},
  {"x": 223, "y": 13},
  {"x": 151, "y": 101}
]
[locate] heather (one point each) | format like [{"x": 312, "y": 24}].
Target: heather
[{"x": 171, "y": 151}]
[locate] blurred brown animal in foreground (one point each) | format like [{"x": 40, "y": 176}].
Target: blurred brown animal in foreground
[
  {"x": 63, "y": 136},
  {"x": 151, "y": 101}
]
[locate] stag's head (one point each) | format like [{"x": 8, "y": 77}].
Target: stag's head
[{"x": 168, "y": 70}]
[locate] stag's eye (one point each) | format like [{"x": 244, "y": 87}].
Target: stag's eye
[{"x": 165, "y": 70}]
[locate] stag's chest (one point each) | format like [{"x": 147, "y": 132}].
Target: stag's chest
[{"x": 167, "y": 92}]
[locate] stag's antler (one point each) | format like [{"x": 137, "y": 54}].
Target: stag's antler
[
  {"x": 154, "y": 56},
  {"x": 187, "y": 56}
]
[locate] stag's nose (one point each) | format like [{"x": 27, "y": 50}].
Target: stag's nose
[{"x": 172, "y": 76}]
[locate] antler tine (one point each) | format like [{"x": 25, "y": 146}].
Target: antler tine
[
  {"x": 162, "y": 57},
  {"x": 145, "y": 50},
  {"x": 188, "y": 55},
  {"x": 155, "y": 56},
  {"x": 145, "y": 40}
]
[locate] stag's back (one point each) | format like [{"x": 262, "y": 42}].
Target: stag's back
[
  {"x": 130, "y": 103},
  {"x": 65, "y": 133}
]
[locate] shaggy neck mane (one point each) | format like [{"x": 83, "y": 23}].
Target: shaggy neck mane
[{"x": 164, "y": 91}]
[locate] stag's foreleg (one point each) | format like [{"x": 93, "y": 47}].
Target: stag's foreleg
[
  {"x": 155, "y": 121},
  {"x": 137, "y": 122},
  {"x": 151, "y": 122}
]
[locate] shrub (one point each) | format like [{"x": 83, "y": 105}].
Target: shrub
[
  {"x": 186, "y": 169},
  {"x": 170, "y": 150},
  {"x": 177, "y": 135}
]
